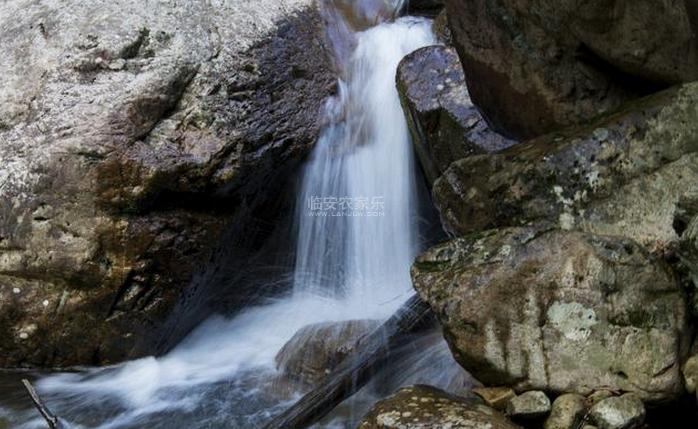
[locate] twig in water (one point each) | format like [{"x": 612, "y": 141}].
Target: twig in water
[{"x": 52, "y": 420}]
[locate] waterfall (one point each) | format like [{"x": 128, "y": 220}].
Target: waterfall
[
  {"x": 352, "y": 262},
  {"x": 359, "y": 205}
]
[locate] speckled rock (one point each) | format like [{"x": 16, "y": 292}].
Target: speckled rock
[
  {"x": 528, "y": 406},
  {"x": 495, "y": 397},
  {"x": 625, "y": 174},
  {"x": 424, "y": 407},
  {"x": 690, "y": 374},
  {"x": 135, "y": 135},
  {"x": 441, "y": 29},
  {"x": 538, "y": 65},
  {"x": 444, "y": 123},
  {"x": 619, "y": 412},
  {"x": 559, "y": 311},
  {"x": 315, "y": 350},
  {"x": 566, "y": 413}
]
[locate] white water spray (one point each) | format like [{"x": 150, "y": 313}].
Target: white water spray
[{"x": 365, "y": 154}]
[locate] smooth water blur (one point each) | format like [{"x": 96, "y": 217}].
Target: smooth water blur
[
  {"x": 365, "y": 152},
  {"x": 223, "y": 374}
]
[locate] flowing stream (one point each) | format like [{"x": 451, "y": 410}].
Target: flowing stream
[{"x": 352, "y": 263}]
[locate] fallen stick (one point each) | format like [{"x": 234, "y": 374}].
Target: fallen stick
[
  {"x": 52, "y": 420},
  {"x": 355, "y": 371}
]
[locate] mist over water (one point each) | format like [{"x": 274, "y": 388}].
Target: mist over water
[{"x": 348, "y": 267}]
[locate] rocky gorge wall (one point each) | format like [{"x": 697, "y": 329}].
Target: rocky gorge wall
[
  {"x": 563, "y": 166},
  {"x": 146, "y": 145}
]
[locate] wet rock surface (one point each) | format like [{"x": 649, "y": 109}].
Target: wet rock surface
[
  {"x": 537, "y": 66},
  {"x": 134, "y": 135},
  {"x": 626, "y": 174},
  {"x": 559, "y": 311},
  {"x": 444, "y": 124},
  {"x": 424, "y": 407},
  {"x": 315, "y": 350}
]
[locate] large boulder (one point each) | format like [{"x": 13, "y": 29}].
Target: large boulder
[
  {"x": 539, "y": 65},
  {"x": 444, "y": 123},
  {"x": 315, "y": 350},
  {"x": 559, "y": 311},
  {"x": 136, "y": 135},
  {"x": 425, "y": 407},
  {"x": 627, "y": 174}
]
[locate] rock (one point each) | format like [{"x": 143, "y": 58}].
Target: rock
[
  {"x": 532, "y": 405},
  {"x": 567, "y": 412},
  {"x": 533, "y": 67},
  {"x": 597, "y": 397},
  {"x": 444, "y": 124},
  {"x": 619, "y": 412},
  {"x": 429, "y": 8},
  {"x": 315, "y": 350},
  {"x": 625, "y": 174},
  {"x": 495, "y": 397},
  {"x": 690, "y": 374},
  {"x": 136, "y": 137},
  {"x": 589, "y": 427},
  {"x": 558, "y": 311},
  {"x": 425, "y": 407},
  {"x": 686, "y": 224},
  {"x": 442, "y": 30}
]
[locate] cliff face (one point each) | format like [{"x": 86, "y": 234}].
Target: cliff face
[
  {"x": 135, "y": 135},
  {"x": 534, "y": 67},
  {"x": 572, "y": 267}
]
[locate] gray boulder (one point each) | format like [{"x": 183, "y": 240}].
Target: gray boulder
[
  {"x": 425, "y": 407},
  {"x": 135, "y": 136},
  {"x": 537, "y": 66},
  {"x": 625, "y": 174},
  {"x": 315, "y": 350},
  {"x": 528, "y": 406},
  {"x": 444, "y": 123},
  {"x": 619, "y": 412},
  {"x": 559, "y": 311},
  {"x": 566, "y": 413}
]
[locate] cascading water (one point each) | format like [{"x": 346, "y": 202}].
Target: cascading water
[
  {"x": 364, "y": 158},
  {"x": 352, "y": 263}
]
